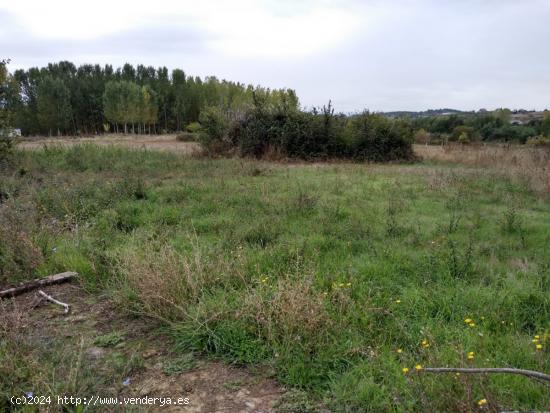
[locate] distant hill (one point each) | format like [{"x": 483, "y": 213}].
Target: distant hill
[
  {"x": 424, "y": 113},
  {"x": 518, "y": 116}
]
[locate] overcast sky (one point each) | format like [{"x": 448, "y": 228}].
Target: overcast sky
[{"x": 374, "y": 54}]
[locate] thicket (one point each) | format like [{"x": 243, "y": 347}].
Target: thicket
[{"x": 284, "y": 131}]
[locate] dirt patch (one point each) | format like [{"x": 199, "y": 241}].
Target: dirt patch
[
  {"x": 154, "y": 142},
  {"x": 130, "y": 357}
]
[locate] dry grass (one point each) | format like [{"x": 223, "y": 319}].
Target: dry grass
[
  {"x": 165, "y": 282},
  {"x": 156, "y": 142},
  {"x": 291, "y": 308},
  {"x": 526, "y": 163}
]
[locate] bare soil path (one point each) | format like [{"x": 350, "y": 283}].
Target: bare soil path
[{"x": 122, "y": 356}]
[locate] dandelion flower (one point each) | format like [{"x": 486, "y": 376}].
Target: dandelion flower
[
  {"x": 468, "y": 320},
  {"x": 405, "y": 370},
  {"x": 537, "y": 337},
  {"x": 482, "y": 402},
  {"x": 418, "y": 367},
  {"x": 425, "y": 343},
  {"x": 397, "y": 301},
  {"x": 348, "y": 285},
  {"x": 535, "y": 340},
  {"x": 471, "y": 355},
  {"x": 399, "y": 350},
  {"x": 472, "y": 324},
  {"x": 538, "y": 347}
]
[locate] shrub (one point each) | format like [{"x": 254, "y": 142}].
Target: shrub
[
  {"x": 6, "y": 150},
  {"x": 309, "y": 135},
  {"x": 186, "y": 137},
  {"x": 193, "y": 127},
  {"x": 463, "y": 138},
  {"x": 214, "y": 131},
  {"x": 539, "y": 141},
  {"x": 422, "y": 136},
  {"x": 462, "y": 132},
  {"x": 376, "y": 138}
]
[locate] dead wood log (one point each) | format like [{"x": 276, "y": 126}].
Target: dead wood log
[
  {"x": 41, "y": 282},
  {"x": 53, "y": 300}
]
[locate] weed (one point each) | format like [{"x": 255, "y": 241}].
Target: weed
[
  {"x": 181, "y": 364},
  {"x": 109, "y": 340},
  {"x": 296, "y": 401}
]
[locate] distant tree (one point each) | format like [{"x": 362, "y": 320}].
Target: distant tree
[
  {"x": 503, "y": 114},
  {"x": 54, "y": 106},
  {"x": 112, "y": 103},
  {"x": 149, "y": 109},
  {"x": 169, "y": 102},
  {"x": 422, "y": 136},
  {"x": 466, "y": 132},
  {"x": 180, "y": 97},
  {"x": 6, "y": 141},
  {"x": 545, "y": 125}
]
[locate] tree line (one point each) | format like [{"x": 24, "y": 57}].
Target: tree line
[
  {"x": 495, "y": 126},
  {"x": 62, "y": 98}
]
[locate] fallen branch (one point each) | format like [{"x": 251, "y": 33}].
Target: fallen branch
[
  {"x": 528, "y": 373},
  {"x": 41, "y": 282},
  {"x": 53, "y": 300}
]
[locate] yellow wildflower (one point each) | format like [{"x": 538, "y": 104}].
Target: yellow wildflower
[
  {"x": 425, "y": 343},
  {"x": 471, "y": 355},
  {"x": 418, "y": 367},
  {"x": 472, "y": 324},
  {"x": 397, "y": 301},
  {"x": 405, "y": 370},
  {"x": 539, "y": 347},
  {"x": 537, "y": 337},
  {"x": 535, "y": 340},
  {"x": 482, "y": 402},
  {"x": 399, "y": 350},
  {"x": 468, "y": 320}
]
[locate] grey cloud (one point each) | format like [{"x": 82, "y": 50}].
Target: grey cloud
[
  {"x": 424, "y": 54},
  {"x": 144, "y": 42}
]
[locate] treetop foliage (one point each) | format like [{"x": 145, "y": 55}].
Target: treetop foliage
[{"x": 62, "y": 98}]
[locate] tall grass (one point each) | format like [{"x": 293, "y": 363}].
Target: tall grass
[
  {"x": 522, "y": 163},
  {"x": 319, "y": 273}
]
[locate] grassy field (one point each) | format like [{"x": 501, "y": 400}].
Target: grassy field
[{"x": 333, "y": 276}]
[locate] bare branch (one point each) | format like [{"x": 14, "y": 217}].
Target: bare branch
[
  {"x": 53, "y": 300},
  {"x": 528, "y": 373}
]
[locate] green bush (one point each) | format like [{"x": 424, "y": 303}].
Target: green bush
[
  {"x": 285, "y": 131},
  {"x": 214, "y": 130},
  {"x": 193, "y": 127},
  {"x": 379, "y": 139}
]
